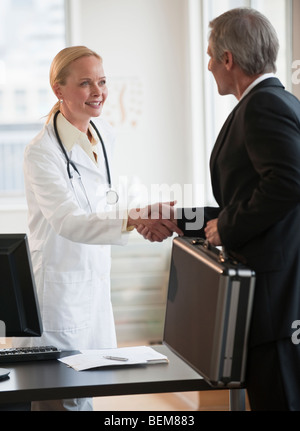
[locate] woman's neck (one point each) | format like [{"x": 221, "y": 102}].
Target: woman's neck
[{"x": 80, "y": 124}]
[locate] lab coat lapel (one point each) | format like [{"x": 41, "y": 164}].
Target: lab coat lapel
[{"x": 82, "y": 160}]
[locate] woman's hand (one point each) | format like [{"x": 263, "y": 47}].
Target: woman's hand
[{"x": 155, "y": 222}]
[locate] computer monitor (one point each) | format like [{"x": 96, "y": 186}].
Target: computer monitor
[{"x": 19, "y": 308}]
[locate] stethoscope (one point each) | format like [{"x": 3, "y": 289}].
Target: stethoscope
[{"x": 111, "y": 195}]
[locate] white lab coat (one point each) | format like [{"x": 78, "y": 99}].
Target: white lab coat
[{"x": 70, "y": 246}]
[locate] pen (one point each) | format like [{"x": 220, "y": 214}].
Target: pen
[{"x": 116, "y": 358}]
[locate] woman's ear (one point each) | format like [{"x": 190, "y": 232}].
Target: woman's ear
[{"x": 57, "y": 90}]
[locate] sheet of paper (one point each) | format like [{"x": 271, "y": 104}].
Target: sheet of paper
[{"x": 88, "y": 359}]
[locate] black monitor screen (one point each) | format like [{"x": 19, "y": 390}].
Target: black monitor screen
[{"x": 19, "y": 309}]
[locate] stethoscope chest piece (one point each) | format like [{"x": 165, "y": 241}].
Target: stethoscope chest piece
[{"x": 112, "y": 197}]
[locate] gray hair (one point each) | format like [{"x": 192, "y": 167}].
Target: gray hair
[{"x": 249, "y": 36}]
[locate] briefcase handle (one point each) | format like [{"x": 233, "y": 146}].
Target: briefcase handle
[{"x": 221, "y": 254}]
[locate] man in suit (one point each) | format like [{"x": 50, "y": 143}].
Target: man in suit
[{"x": 255, "y": 173}]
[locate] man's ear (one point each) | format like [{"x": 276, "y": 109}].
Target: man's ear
[{"x": 228, "y": 60}]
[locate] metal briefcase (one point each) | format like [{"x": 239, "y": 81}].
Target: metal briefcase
[{"x": 208, "y": 311}]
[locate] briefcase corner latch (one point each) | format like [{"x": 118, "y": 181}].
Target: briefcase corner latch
[
  {"x": 223, "y": 256},
  {"x": 201, "y": 241}
]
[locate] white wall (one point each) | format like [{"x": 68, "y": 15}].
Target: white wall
[
  {"x": 144, "y": 45},
  {"x": 13, "y": 219}
]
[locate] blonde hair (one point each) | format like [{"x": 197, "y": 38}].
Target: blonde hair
[{"x": 60, "y": 68}]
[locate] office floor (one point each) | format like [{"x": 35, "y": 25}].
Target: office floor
[{"x": 190, "y": 401}]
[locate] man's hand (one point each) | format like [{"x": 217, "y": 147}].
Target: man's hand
[
  {"x": 212, "y": 233},
  {"x": 155, "y": 222}
]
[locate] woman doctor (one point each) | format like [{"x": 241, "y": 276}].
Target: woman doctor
[{"x": 71, "y": 226}]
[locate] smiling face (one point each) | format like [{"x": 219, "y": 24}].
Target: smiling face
[{"x": 84, "y": 92}]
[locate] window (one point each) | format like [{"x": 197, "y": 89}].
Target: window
[{"x": 31, "y": 33}]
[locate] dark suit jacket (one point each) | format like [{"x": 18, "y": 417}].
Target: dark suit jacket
[{"x": 255, "y": 173}]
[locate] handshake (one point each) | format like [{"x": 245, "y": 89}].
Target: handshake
[{"x": 154, "y": 222}]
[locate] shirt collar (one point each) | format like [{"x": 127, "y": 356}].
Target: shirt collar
[
  {"x": 256, "y": 82},
  {"x": 71, "y": 136}
]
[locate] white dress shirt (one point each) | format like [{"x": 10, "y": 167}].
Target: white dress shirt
[{"x": 256, "y": 82}]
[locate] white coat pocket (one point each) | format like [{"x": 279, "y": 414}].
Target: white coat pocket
[{"x": 67, "y": 300}]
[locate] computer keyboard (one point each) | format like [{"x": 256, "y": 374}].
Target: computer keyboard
[{"x": 22, "y": 354}]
